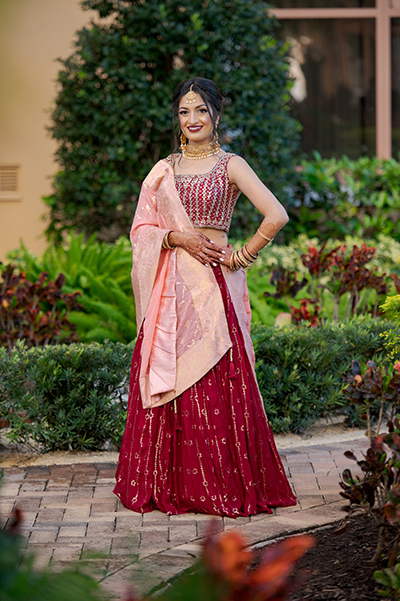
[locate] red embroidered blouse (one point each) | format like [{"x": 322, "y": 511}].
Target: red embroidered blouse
[{"x": 209, "y": 199}]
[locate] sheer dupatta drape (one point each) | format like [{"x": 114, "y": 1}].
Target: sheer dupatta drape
[{"x": 178, "y": 301}]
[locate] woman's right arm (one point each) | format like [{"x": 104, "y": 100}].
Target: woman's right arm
[{"x": 198, "y": 246}]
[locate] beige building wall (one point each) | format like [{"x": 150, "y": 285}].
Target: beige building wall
[{"x": 33, "y": 34}]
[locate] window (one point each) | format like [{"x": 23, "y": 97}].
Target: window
[
  {"x": 333, "y": 67},
  {"x": 347, "y": 75},
  {"x": 10, "y": 182},
  {"x": 395, "y": 87},
  {"x": 323, "y": 3}
]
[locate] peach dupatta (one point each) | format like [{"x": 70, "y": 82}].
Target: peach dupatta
[{"x": 178, "y": 301}]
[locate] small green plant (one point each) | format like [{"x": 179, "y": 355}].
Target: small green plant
[
  {"x": 389, "y": 578},
  {"x": 19, "y": 580},
  {"x": 392, "y": 335},
  {"x": 335, "y": 197}
]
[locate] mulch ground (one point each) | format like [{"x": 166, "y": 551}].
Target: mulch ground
[{"x": 339, "y": 567}]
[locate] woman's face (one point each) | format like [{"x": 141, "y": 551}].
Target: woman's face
[{"x": 195, "y": 121}]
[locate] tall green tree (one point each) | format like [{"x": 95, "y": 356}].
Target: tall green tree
[{"x": 112, "y": 116}]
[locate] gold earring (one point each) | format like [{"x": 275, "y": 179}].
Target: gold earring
[{"x": 183, "y": 141}]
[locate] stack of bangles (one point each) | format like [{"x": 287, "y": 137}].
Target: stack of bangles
[{"x": 243, "y": 257}]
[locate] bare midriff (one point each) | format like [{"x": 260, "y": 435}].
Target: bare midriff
[{"x": 218, "y": 236}]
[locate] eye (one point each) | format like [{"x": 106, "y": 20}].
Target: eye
[
  {"x": 183, "y": 113},
  {"x": 203, "y": 111}
]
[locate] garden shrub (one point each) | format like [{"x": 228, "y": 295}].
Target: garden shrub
[
  {"x": 299, "y": 370},
  {"x": 112, "y": 114},
  {"x": 65, "y": 397},
  {"x": 334, "y": 197},
  {"x": 36, "y": 312},
  {"x": 101, "y": 273}
]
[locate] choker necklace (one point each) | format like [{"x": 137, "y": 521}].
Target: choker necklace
[{"x": 200, "y": 152}]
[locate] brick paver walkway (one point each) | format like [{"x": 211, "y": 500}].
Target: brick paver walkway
[{"x": 70, "y": 511}]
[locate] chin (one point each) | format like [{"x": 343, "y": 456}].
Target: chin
[{"x": 199, "y": 139}]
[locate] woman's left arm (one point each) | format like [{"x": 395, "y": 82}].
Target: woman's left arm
[{"x": 275, "y": 217}]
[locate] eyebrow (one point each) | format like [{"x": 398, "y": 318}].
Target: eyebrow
[{"x": 196, "y": 107}]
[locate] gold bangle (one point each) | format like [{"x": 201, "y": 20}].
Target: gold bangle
[
  {"x": 265, "y": 237},
  {"x": 248, "y": 254},
  {"x": 165, "y": 243},
  {"x": 232, "y": 263},
  {"x": 242, "y": 259}
]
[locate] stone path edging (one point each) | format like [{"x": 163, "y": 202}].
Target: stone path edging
[{"x": 70, "y": 511}]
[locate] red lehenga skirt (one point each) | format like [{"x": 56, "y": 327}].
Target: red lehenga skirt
[{"x": 209, "y": 451}]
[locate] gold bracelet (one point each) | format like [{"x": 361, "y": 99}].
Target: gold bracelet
[
  {"x": 165, "y": 243},
  {"x": 265, "y": 237},
  {"x": 232, "y": 263},
  {"x": 248, "y": 255}
]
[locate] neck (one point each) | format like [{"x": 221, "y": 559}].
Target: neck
[
  {"x": 201, "y": 152},
  {"x": 199, "y": 144}
]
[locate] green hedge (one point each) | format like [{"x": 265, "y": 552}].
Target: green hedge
[
  {"x": 70, "y": 397},
  {"x": 65, "y": 397},
  {"x": 299, "y": 370}
]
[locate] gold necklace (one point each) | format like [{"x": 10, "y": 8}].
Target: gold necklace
[{"x": 200, "y": 152}]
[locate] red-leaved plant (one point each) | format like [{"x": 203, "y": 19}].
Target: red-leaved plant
[
  {"x": 371, "y": 385},
  {"x": 318, "y": 262},
  {"x": 377, "y": 490},
  {"x": 304, "y": 314},
  {"x": 286, "y": 283},
  {"x": 35, "y": 312}
]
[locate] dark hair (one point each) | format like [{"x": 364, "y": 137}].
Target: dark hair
[{"x": 209, "y": 92}]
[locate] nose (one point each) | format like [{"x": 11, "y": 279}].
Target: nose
[{"x": 192, "y": 118}]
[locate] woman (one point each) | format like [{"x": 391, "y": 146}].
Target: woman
[{"x": 197, "y": 438}]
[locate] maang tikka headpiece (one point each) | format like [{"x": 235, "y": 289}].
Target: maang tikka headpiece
[{"x": 191, "y": 96}]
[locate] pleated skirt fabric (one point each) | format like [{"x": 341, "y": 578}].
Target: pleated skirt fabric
[{"x": 211, "y": 450}]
